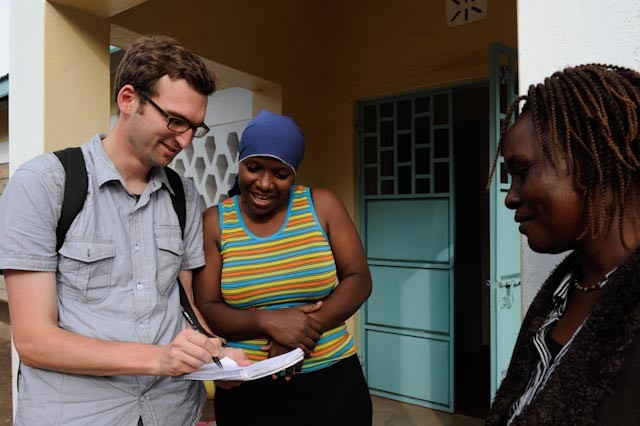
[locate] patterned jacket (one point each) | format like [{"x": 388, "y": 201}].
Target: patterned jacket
[{"x": 597, "y": 381}]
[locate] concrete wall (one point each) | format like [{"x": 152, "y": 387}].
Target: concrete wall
[{"x": 553, "y": 35}]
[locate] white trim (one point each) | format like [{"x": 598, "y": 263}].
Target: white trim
[{"x": 26, "y": 85}]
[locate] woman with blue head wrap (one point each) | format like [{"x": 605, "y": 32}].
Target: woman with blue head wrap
[
  {"x": 285, "y": 269},
  {"x": 274, "y": 136}
]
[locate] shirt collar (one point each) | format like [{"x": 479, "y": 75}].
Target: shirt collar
[
  {"x": 562, "y": 292},
  {"x": 105, "y": 171}
]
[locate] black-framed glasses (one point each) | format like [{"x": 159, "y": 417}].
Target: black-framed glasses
[{"x": 177, "y": 124}]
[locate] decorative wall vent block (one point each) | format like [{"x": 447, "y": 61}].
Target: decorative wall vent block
[
  {"x": 212, "y": 162},
  {"x": 460, "y": 12}
]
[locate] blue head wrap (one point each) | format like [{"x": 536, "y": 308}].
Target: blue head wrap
[{"x": 271, "y": 135}]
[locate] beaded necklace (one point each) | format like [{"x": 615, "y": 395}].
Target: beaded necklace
[{"x": 576, "y": 282}]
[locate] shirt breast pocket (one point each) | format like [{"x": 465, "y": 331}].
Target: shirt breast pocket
[
  {"x": 170, "y": 250},
  {"x": 85, "y": 268}
]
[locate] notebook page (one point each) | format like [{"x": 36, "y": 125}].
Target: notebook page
[{"x": 231, "y": 370}]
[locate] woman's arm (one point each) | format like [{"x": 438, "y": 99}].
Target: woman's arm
[
  {"x": 291, "y": 327},
  {"x": 353, "y": 271}
]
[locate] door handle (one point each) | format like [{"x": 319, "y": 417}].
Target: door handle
[{"x": 503, "y": 284}]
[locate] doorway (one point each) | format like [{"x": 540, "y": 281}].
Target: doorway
[
  {"x": 425, "y": 225},
  {"x": 471, "y": 305}
]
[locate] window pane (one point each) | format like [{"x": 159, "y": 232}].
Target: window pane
[
  {"x": 441, "y": 109},
  {"x": 386, "y": 133},
  {"x": 504, "y": 92},
  {"x": 422, "y": 186},
  {"x": 421, "y": 105},
  {"x": 386, "y": 109},
  {"x": 441, "y": 143},
  {"x": 422, "y": 130},
  {"x": 403, "y": 115},
  {"x": 404, "y": 147},
  {"x": 441, "y": 183},
  {"x": 371, "y": 181},
  {"x": 387, "y": 187},
  {"x": 404, "y": 180},
  {"x": 370, "y": 150},
  {"x": 504, "y": 176},
  {"x": 422, "y": 161},
  {"x": 370, "y": 121},
  {"x": 387, "y": 163}
]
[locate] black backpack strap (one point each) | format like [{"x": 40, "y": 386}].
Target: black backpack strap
[
  {"x": 180, "y": 206},
  {"x": 178, "y": 199},
  {"x": 187, "y": 311},
  {"x": 75, "y": 190}
]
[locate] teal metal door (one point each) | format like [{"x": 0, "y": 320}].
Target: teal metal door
[
  {"x": 505, "y": 239},
  {"x": 407, "y": 227}
]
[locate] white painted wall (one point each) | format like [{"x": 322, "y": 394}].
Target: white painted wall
[
  {"x": 229, "y": 106},
  {"x": 555, "y": 34}
]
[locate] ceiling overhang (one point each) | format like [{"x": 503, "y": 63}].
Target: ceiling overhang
[{"x": 100, "y": 8}]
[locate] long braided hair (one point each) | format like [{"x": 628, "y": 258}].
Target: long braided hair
[{"x": 590, "y": 115}]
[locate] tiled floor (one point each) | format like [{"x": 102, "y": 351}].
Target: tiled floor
[{"x": 386, "y": 412}]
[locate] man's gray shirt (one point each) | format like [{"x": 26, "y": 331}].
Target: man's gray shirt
[{"x": 116, "y": 281}]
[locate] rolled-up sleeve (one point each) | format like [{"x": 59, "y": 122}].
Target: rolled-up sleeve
[{"x": 29, "y": 213}]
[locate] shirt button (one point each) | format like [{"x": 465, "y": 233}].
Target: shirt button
[
  {"x": 136, "y": 247},
  {"x": 139, "y": 286}
]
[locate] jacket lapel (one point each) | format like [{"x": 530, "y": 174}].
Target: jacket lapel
[{"x": 588, "y": 371}]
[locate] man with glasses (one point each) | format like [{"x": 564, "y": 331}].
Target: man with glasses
[{"x": 98, "y": 323}]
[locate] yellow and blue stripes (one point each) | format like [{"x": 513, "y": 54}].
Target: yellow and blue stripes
[{"x": 292, "y": 267}]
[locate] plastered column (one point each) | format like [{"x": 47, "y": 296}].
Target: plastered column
[{"x": 59, "y": 85}]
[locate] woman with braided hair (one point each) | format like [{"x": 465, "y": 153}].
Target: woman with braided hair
[{"x": 574, "y": 158}]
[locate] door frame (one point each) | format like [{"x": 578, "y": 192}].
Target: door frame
[{"x": 504, "y": 281}]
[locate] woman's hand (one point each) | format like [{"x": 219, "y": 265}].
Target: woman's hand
[
  {"x": 236, "y": 354},
  {"x": 293, "y": 327},
  {"x": 275, "y": 349},
  {"x": 240, "y": 357}
]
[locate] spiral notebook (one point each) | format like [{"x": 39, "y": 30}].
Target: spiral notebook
[{"x": 257, "y": 370}]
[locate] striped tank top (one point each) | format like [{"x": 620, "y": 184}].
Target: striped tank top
[{"x": 292, "y": 267}]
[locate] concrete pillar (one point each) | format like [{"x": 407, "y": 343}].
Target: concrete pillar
[
  {"x": 553, "y": 35},
  {"x": 59, "y": 82}
]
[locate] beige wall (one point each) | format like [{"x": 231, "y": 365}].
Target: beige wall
[
  {"x": 327, "y": 55},
  {"x": 275, "y": 40},
  {"x": 383, "y": 48}
]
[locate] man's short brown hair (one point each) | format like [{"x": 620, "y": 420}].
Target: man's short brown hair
[{"x": 151, "y": 58}]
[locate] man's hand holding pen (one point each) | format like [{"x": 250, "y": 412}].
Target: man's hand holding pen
[{"x": 192, "y": 349}]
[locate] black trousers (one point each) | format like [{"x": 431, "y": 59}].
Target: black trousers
[{"x": 336, "y": 395}]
